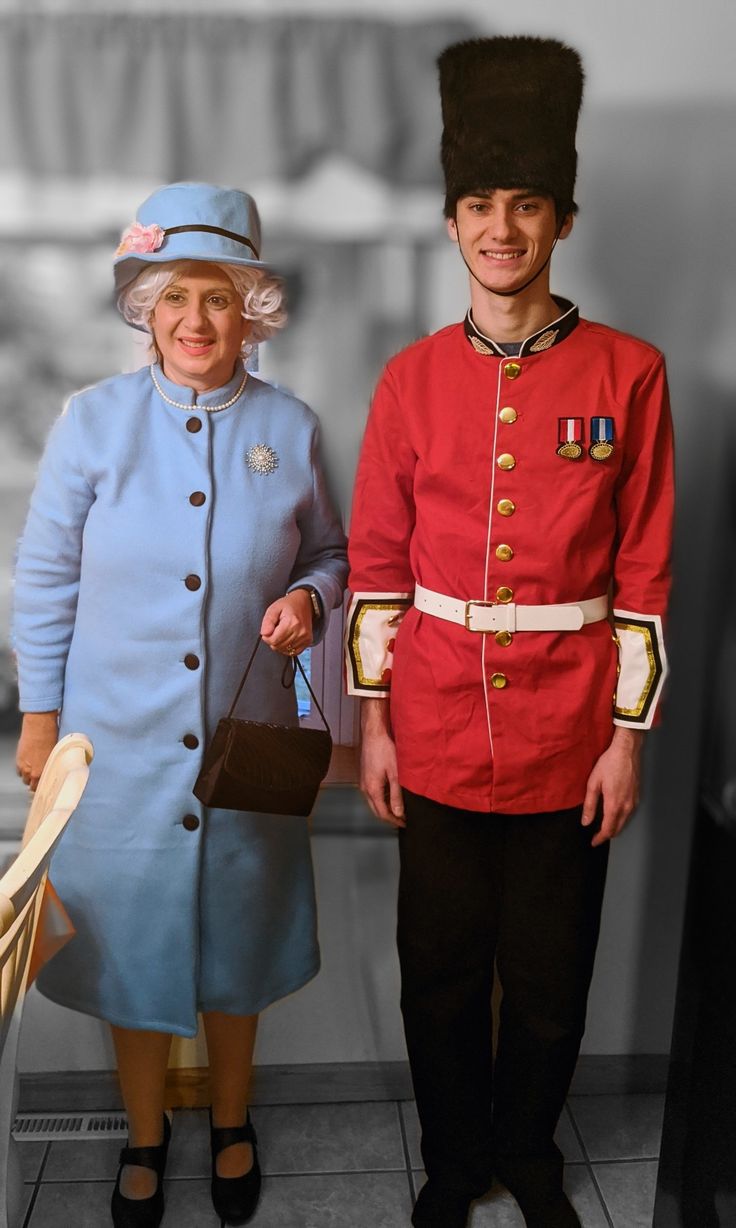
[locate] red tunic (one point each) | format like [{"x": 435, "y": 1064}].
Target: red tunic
[{"x": 479, "y": 722}]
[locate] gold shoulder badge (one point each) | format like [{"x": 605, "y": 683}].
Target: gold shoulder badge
[{"x": 545, "y": 341}]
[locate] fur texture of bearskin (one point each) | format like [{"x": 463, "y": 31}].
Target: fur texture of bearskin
[{"x": 509, "y": 109}]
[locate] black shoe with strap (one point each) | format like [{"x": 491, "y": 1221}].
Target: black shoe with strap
[
  {"x": 235, "y": 1198},
  {"x": 142, "y": 1212}
]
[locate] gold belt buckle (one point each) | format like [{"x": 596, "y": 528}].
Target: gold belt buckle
[{"x": 486, "y": 604}]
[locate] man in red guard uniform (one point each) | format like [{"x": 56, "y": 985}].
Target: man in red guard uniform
[{"x": 509, "y": 552}]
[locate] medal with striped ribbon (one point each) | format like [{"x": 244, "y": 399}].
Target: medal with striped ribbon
[
  {"x": 601, "y": 438},
  {"x": 570, "y": 438}
]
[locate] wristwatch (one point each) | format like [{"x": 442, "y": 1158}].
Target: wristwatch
[{"x": 314, "y": 597}]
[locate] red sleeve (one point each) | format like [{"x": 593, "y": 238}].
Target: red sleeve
[
  {"x": 641, "y": 574},
  {"x": 381, "y": 527}
]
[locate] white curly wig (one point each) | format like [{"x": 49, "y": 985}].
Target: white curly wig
[{"x": 262, "y": 293}]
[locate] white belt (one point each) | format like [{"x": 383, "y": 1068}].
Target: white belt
[{"x": 489, "y": 616}]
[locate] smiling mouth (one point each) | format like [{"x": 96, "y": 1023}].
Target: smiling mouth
[
  {"x": 195, "y": 345},
  {"x": 501, "y": 257}
]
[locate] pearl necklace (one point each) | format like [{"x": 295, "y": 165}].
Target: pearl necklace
[{"x": 211, "y": 409}]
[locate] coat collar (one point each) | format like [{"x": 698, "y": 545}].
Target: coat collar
[
  {"x": 552, "y": 334},
  {"x": 188, "y": 398}
]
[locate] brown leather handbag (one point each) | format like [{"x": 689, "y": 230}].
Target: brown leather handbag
[{"x": 272, "y": 769}]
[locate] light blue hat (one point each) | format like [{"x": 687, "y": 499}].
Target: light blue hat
[{"x": 190, "y": 221}]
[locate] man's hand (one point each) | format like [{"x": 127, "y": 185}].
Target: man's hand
[
  {"x": 379, "y": 777},
  {"x": 287, "y": 623},
  {"x": 38, "y": 737},
  {"x": 615, "y": 779}
]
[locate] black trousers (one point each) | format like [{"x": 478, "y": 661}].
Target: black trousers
[{"x": 523, "y": 892}]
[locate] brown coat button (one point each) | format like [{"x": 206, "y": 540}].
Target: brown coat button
[
  {"x": 193, "y": 583},
  {"x": 194, "y": 425},
  {"x": 197, "y": 498},
  {"x": 191, "y": 741},
  {"x": 191, "y": 822},
  {"x": 191, "y": 661}
]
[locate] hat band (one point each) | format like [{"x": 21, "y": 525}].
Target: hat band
[{"x": 213, "y": 230}]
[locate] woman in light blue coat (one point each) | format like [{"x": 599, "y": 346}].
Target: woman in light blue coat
[{"x": 179, "y": 512}]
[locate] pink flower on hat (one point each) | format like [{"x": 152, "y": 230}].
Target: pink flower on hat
[{"x": 141, "y": 239}]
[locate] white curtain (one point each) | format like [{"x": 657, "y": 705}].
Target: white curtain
[{"x": 207, "y": 96}]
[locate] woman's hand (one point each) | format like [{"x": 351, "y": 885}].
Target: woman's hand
[
  {"x": 287, "y": 623},
  {"x": 38, "y": 737}
]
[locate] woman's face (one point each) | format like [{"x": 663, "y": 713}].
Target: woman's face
[{"x": 198, "y": 327}]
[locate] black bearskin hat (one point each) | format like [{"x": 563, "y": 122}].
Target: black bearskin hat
[{"x": 510, "y": 109}]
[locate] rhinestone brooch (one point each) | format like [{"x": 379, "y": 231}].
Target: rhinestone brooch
[{"x": 262, "y": 459}]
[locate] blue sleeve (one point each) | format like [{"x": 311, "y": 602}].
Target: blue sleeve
[
  {"x": 48, "y": 569},
  {"x": 322, "y": 557}
]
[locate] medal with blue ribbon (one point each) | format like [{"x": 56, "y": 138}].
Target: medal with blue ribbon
[
  {"x": 601, "y": 438},
  {"x": 570, "y": 438}
]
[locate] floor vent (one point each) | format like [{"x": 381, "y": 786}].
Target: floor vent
[{"x": 43, "y": 1127}]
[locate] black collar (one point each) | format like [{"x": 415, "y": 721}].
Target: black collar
[{"x": 551, "y": 334}]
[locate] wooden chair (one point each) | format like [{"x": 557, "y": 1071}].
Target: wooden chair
[{"x": 21, "y": 894}]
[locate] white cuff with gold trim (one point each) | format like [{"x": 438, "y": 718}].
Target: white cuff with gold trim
[
  {"x": 642, "y": 668},
  {"x": 373, "y": 620}
]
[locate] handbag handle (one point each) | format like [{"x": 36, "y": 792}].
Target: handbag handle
[{"x": 295, "y": 663}]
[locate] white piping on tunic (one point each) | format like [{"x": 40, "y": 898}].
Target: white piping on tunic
[{"x": 488, "y": 553}]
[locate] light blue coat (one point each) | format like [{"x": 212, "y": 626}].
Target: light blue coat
[{"x": 171, "y": 920}]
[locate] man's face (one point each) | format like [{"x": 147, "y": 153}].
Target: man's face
[{"x": 505, "y": 235}]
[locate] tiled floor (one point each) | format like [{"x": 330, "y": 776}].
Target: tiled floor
[{"x": 354, "y": 1166}]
